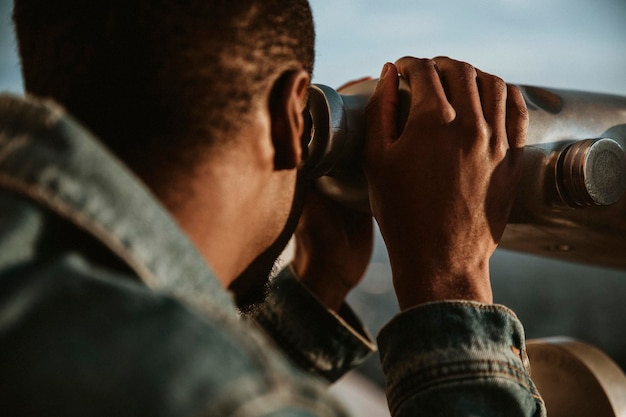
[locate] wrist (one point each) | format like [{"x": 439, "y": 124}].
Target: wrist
[
  {"x": 421, "y": 286},
  {"x": 323, "y": 284}
]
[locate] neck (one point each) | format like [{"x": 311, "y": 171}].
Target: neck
[{"x": 225, "y": 204}]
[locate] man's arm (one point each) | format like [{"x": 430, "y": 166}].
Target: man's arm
[
  {"x": 333, "y": 248},
  {"x": 441, "y": 190},
  {"x": 305, "y": 312}
]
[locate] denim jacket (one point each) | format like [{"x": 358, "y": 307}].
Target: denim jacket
[{"x": 107, "y": 309}]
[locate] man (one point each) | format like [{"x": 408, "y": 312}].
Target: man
[{"x": 109, "y": 305}]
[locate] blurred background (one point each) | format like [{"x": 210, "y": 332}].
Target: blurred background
[{"x": 572, "y": 44}]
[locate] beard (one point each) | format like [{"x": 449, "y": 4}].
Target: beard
[{"x": 251, "y": 286}]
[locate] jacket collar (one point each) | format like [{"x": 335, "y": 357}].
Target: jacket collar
[{"x": 48, "y": 157}]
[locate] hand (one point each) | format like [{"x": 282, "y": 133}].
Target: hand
[
  {"x": 333, "y": 248},
  {"x": 442, "y": 189}
]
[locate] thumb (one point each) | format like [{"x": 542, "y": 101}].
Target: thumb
[{"x": 381, "y": 128}]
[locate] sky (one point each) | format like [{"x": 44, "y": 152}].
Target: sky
[
  {"x": 9, "y": 69},
  {"x": 574, "y": 44}
]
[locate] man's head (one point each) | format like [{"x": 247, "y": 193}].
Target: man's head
[
  {"x": 182, "y": 91},
  {"x": 148, "y": 75}
]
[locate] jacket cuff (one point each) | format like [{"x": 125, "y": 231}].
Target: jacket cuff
[
  {"x": 447, "y": 342},
  {"x": 317, "y": 339}
]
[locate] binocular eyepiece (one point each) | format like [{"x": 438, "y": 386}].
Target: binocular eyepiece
[{"x": 572, "y": 190}]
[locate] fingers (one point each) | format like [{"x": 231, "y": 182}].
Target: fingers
[
  {"x": 443, "y": 91},
  {"x": 485, "y": 102},
  {"x": 493, "y": 98},
  {"x": 428, "y": 97},
  {"x": 460, "y": 83},
  {"x": 382, "y": 108},
  {"x": 517, "y": 118}
]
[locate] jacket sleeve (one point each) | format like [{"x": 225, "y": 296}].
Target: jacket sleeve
[
  {"x": 458, "y": 359},
  {"x": 318, "y": 340}
]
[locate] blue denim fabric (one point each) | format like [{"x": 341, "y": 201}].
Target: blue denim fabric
[
  {"x": 458, "y": 358},
  {"x": 154, "y": 334},
  {"x": 332, "y": 343},
  {"x": 106, "y": 308}
]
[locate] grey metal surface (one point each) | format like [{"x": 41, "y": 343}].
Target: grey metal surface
[{"x": 568, "y": 159}]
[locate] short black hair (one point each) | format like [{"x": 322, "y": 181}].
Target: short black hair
[{"x": 140, "y": 73}]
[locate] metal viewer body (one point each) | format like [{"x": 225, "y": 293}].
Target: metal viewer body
[{"x": 572, "y": 189}]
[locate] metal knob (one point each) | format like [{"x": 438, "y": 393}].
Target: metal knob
[{"x": 592, "y": 172}]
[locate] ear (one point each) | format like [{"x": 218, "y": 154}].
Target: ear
[{"x": 287, "y": 102}]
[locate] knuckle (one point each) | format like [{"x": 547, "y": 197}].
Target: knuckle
[
  {"x": 443, "y": 60},
  {"x": 517, "y": 100},
  {"x": 468, "y": 71},
  {"x": 494, "y": 80},
  {"x": 447, "y": 114},
  {"x": 411, "y": 65},
  {"x": 498, "y": 83},
  {"x": 404, "y": 60},
  {"x": 519, "y": 111},
  {"x": 522, "y": 113},
  {"x": 477, "y": 128},
  {"x": 416, "y": 68},
  {"x": 426, "y": 63},
  {"x": 483, "y": 131},
  {"x": 411, "y": 60},
  {"x": 437, "y": 113},
  {"x": 462, "y": 68}
]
